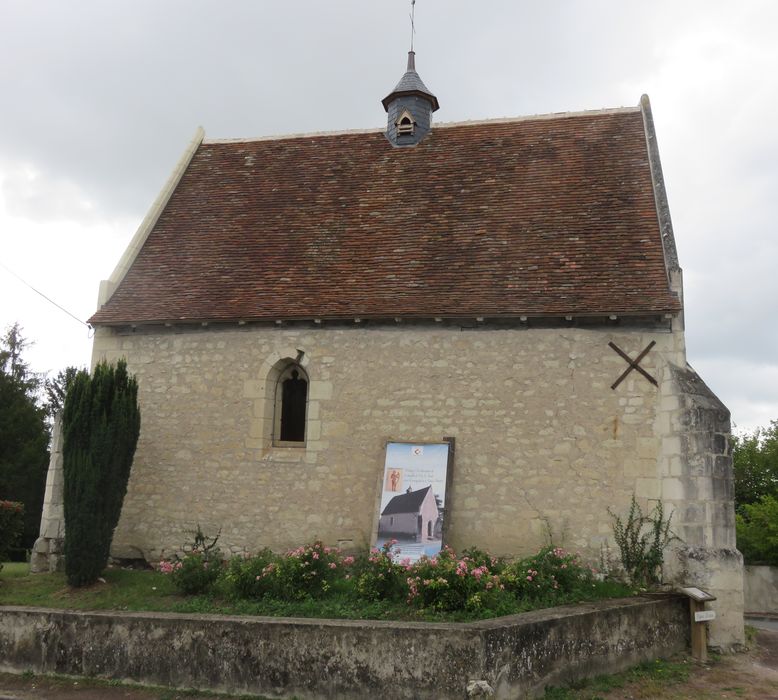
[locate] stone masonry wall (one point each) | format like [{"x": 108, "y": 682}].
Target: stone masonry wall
[
  {"x": 516, "y": 656},
  {"x": 761, "y": 589},
  {"x": 698, "y": 486},
  {"x": 543, "y": 442}
]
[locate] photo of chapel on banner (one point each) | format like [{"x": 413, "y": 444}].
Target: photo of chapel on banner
[{"x": 413, "y": 499}]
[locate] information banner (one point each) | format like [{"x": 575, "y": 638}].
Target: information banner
[{"x": 413, "y": 499}]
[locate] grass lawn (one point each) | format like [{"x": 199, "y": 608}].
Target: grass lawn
[
  {"x": 125, "y": 589},
  {"x": 653, "y": 678},
  {"x": 122, "y": 590}
]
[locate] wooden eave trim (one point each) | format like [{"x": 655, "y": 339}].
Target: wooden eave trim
[{"x": 361, "y": 318}]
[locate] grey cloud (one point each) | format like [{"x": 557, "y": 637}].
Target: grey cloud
[{"x": 100, "y": 99}]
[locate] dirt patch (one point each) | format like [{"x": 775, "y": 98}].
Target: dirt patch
[{"x": 751, "y": 675}]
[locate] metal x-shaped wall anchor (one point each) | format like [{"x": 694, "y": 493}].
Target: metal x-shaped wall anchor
[{"x": 633, "y": 364}]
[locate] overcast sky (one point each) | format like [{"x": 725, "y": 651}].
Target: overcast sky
[{"x": 99, "y": 99}]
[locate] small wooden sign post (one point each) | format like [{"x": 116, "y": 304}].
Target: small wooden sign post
[{"x": 699, "y": 616}]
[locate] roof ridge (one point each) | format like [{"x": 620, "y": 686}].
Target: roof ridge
[
  {"x": 438, "y": 125},
  {"x": 541, "y": 117}
]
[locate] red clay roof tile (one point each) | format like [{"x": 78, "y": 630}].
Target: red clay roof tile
[{"x": 548, "y": 216}]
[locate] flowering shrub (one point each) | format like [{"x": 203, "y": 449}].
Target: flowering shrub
[
  {"x": 245, "y": 576},
  {"x": 11, "y": 527},
  {"x": 378, "y": 577},
  {"x": 194, "y": 574},
  {"x": 198, "y": 570},
  {"x": 475, "y": 584},
  {"x": 480, "y": 557},
  {"x": 306, "y": 572},
  {"x": 446, "y": 583},
  {"x": 549, "y": 573}
]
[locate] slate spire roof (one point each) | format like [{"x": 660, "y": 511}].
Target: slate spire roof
[
  {"x": 411, "y": 84},
  {"x": 533, "y": 217}
]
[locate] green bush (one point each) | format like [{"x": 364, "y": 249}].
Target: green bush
[
  {"x": 642, "y": 540},
  {"x": 447, "y": 583},
  {"x": 757, "y": 531},
  {"x": 197, "y": 572},
  {"x": 548, "y": 574},
  {"x": 11, "y": 527},
  {"x": 306, "y": 572},
  {"x": 246, "y": 577},
  {"x": 101, "y": 423},
  {"x": 378, "y": 577},
  {"x": 474, "y": 585}
]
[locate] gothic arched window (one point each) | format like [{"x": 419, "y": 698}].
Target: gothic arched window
[{"x": 291, "y": 406}]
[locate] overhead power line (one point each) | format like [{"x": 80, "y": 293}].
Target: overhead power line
[{"x": 51, "y": 301}]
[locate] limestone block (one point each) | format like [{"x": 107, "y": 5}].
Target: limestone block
[
  {"x": 255, "y": 443},
  {"x": 253, "y": 388},
  {"x": 334, "y": 428},
  {"x": 41, "y": 546},
  {"x": 673, "y": 490},
  {"x": 648, "y": 488},
  {"x": 671, "y": 446},
  {"x": 320, "y": 390},
  {"x": 52, "y": 529}
]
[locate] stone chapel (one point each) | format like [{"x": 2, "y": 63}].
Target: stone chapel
[{"x": 291, "y": 304}]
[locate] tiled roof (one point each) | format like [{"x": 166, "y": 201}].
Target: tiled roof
[{"x": 536, "y": 217}]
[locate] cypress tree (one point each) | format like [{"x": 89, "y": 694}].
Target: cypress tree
[{"x": 100, "y": 424}]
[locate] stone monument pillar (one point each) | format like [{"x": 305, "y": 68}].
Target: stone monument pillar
[{"x": 48, "y": 550}]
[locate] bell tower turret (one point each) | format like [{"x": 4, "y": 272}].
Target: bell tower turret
[{"x": 409, "y": 108}]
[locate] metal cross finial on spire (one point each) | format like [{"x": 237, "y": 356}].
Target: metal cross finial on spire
[{"x": 413, "y": 27}]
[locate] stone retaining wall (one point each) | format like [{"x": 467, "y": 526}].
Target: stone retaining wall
[
  {"x": 761, "y": 589},
  {"x": 309, "y": 659}
]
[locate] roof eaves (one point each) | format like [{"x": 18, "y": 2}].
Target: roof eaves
[{"x": 357, "y": 317}]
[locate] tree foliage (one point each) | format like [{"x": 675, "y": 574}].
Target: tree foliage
[
  {"x": 24, "y": 433},
  {"x": 755, "y": 462},
  {"x": 56, "y": 389},
  {"x": 757, "y": 531},
  {"x": 11, "y": 527},
  {"x": 12, "y": 345},
  {"x": 100, "y": 423}
]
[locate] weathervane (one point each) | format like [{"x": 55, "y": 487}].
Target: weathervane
[{"x": 413, "y": 27}]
